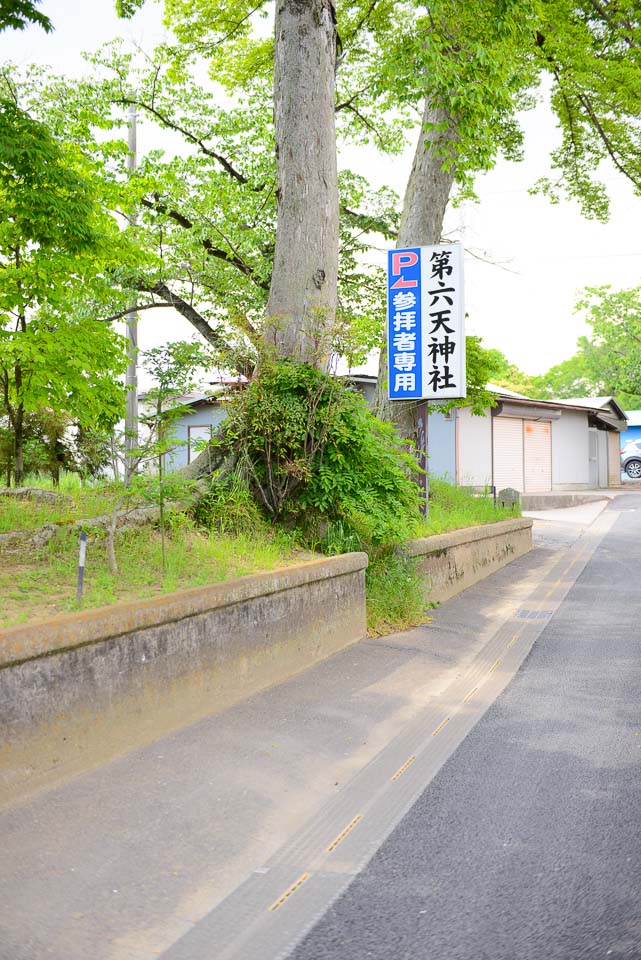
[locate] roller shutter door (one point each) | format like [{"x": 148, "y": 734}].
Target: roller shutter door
[
  {"x": 508, "y": 453},
  {"x": 537, "y": 455}
]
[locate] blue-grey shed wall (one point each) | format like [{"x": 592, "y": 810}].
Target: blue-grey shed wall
[
  {"x": 441, "y": 438},
  {"x": 441, "y": 446},
  {"x": 205, "y": 415}
]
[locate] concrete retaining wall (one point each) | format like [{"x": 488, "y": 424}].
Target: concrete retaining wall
[
  {"x": 453, "y": 561},
  {"x": 81, "y": 688},
  {"x": 559, "y": 500}
]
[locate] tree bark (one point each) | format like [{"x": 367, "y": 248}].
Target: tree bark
[
  {"x": 301, "y": 309},
  {"x": 426, "y": 196},
  {"x": 18, "y": 444}
]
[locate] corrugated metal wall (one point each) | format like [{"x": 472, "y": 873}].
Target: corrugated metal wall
[
  {"x": 508, "y": 453},
  {"x": 537, "y": 455}
]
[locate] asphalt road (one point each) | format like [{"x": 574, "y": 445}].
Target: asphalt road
[{"x": 527, "y": 844}]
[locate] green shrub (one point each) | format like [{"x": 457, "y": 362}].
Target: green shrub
[
  {"x": 229, "y": 507},
  {"x": 316, "y": 458}
]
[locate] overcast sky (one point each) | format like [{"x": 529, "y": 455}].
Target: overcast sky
[{"x": 548, "y": 253}]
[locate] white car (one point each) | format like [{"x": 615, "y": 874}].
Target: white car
[{"x": 631, "y": 459}]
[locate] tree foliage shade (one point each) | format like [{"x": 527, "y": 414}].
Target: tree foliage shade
[
  {"x": 312, "y": 452},
  {"x": 607, "y": 361},
  {"x": 592, "y": 52},
  {"x": 204, "y": 243},
  {"x": 59, "y": 247},
  {"x": 19, "y": 14}
]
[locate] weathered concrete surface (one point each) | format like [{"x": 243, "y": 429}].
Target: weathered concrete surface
[
  {"x": 451, "y": 562},
  {"x": 583, "y": 515},
  {"x": 84, "y": 687},
  {"x": 559, "y": 500},
  {"x": 120, "y": 862}
]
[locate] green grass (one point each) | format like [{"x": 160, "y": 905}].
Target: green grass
[
  {"x": 34, "y": 589},
  {"x": 80, "y": 501},
  {"x": 453, "y": 507},
  {"x": 396, "y": 595}
]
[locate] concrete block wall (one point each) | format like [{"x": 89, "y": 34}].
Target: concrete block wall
[
  {"x": 82, "y": 688},
  {"x": 451, "y": 562}
]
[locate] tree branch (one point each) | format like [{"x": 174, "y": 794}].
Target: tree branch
[
  {"x": 368, "y": 222},
  {"x": 236, "y": 26},
  {"x": 189, "y": 312},
  {"x": 208, "y": 245},
  {"x": 361, "y": 23},
  {"x": 192, "y": 138},
  {"x": 605, "y": 16},
  {"x": 367, "y": 123},
  {"x": 137, "y": 309},
  {"x": 596, "y": 123},
  {"x": 347, "y": 103},
  {"x": 196, "y": 319}
]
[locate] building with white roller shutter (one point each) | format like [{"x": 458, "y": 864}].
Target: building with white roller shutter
[{"x": 534, "y": 446}]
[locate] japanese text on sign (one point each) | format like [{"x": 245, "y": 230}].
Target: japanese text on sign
[{"x": 426, "y": 336}]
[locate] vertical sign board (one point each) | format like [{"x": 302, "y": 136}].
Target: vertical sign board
[{"x": 425, "y": 328}]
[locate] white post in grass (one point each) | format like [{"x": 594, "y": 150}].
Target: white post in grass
[{"x": 81, "y": 565}]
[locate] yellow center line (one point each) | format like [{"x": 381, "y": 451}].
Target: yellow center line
[
  {"x": 343, "y": 834},
  {"x": 468, "y": 696},
  {"x": 440, "y": 726},
  {"x": 290, "y": 890},
  {"x": 495, "y": 665},
  {"x": 401, "y": 770},
  {"x": 512, "y": 641}
]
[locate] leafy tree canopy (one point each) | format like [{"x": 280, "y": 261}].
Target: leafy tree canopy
[
  {"x": 59, "y": 250},
  {"x": 18, "y": 14},
  {"x": 607, "y": 361}
]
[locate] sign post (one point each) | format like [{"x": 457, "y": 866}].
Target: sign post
[
  {"x": 421, "y": 443},
  {"x": 425, "y": 331}
]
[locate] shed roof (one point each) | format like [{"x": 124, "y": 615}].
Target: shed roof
[{"x": 596, "y": 403}]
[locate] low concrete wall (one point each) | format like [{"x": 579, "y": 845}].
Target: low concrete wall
[
  {"x": 451, "y": 562},
  {"x": 81, "y": 688},
  {"x": 559, "y": 500}
]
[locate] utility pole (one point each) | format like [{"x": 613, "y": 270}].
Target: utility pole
[{"x": 131, "y": 415}]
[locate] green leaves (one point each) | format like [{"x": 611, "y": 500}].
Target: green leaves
[
  {"x": 127, "y": 8},
  {"x": 607, "y": 362},
  {"x": 592, "y": 53},
  {"x": 611, "y": 356},
  {"x": 314, "y": 454},
  {"x": 45, "y": 199},
  {"x": 18, "y": 14},
  {"x": 57, "y": 248}
]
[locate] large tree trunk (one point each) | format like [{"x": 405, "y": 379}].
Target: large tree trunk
[
  {"x": 426, "y": 196},
  {"x": 302, "y": 301}
]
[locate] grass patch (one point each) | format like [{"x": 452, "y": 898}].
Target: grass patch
[
  {"x": 38, "y": 588},
  {"x": 238, "y": 543},
  {"x": 396, "y": 595},
  {"x": 451, "y": 508},
  {"x": 80, "y": 501}
]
